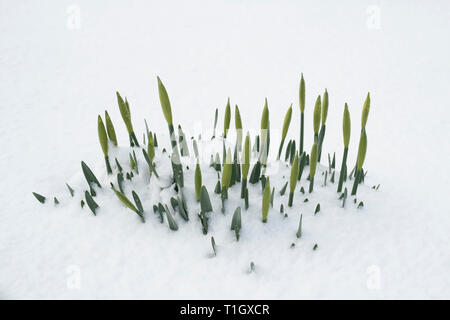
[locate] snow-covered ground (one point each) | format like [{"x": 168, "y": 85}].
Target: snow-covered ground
[{"x": 61, "y": 63}]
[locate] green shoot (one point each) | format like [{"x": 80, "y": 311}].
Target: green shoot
[
  {"x": 266, "y": 201},
  {"x": 293, "y": 180},
  {"x": 236, "y": 222},
  {"x": 110, "y": 129},
  {"x": 286, "y": 123},
  {"x": 312, "y": 167},
  {"x": 39, "y": 197},
  {"x": 302, "y": 111}
]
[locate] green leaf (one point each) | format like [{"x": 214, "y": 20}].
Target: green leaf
[
  {"x": 198, "y": 180},
  {"x": 135, "y": 162},
  {"x": 317, "y": 112},
  {"x": 302, "y": 94},
  {"x": 313, "y": 163},
  {"x": 128, "y": 203},
  {"x": 165, "y": 102},
  {"x": 151, "y": 148},
  {"x": 362, "y": 150},
  {"x": 271, "y": 197},
  {"x": 246, "y": 157},
  {"x": 217, "y": 164},
  {"x": 103, "y": 138},
  {"x": 132, "y": 163},
  {"x": 205, "y": 202},
  {"x": 317, "y": 209},
  {"x": 365, "y": 111},
  {"x": 150, "y": 163},
  {"x": 72, "y": 192},
  {"x": 155, "y": 141},
  {"x": 89, "y": 175},
  {"x": 227, "y": 119},
  {"x": 266, "y": 201},
  {"x": 119, "y": 167},
  {"x": 138, "y": 202},
  {"x": 39, "y": 197},
  {"x": 90, "y": 202},
  {"x": 294, "y": 174},
  {"x": 218, "y": 189},
  {"x": 283, "y": 190},
  {"x": 216, "y": 116},
  {"x": 227, "y": 167},
  {"x": 301, "y": 165},
  {"x": 293, "y": 152},
  {"x": 204, "y": 220},
  {"x": 172, "y": 223},
  {"x": 183, "y": 143},
  {"x": 256, "y": 173},
  {"x": 236, "y": 222},
  {"x": 161, "y": 211},
  {"x": 288, "y": 150},
  {"x": 120, "y": 181},
  {"x": 238, "y": 125},
  {"x": 265, "y": 116},
  {"x": 286, "y": 122},
  {"x": 110, "y": 129},
  {"x": 174, "y": 203},
  {"x": 324, "y": 107},
  {"x": 182, "y": 207},
  {"x": 346, "y": 126},
  {"x": 213, "y": 244},
  {"x": 299, "y": 231},
  {"x": 125, "y": 113}
]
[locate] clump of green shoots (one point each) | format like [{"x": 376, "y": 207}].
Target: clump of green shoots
[
  {"x": 346, "y": 128},
  {"x": 312, "y": 167},
  {"x": 124, "y": 109},
  {"x": 102, "y": 136},
  {"x": 286, "y": 123},
  {"x": 266, "y": 201},
  {"x": 324, "y": 119},
  {"x": 293, "y": 180}
]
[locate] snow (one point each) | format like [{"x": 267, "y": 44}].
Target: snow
[{"x": 56, "y": 78}]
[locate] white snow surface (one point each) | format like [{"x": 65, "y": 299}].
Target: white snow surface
[{"x": 55, "y": 79}]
